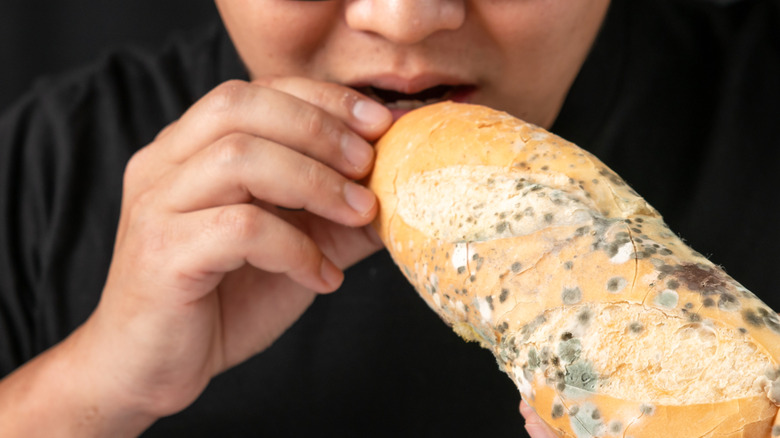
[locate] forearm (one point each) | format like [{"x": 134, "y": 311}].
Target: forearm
[{"x": 59, "y": 394}]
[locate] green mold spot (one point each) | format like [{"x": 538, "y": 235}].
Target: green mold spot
[
  {"x": 581, "y": 375},
  {"x": 587, "y": 422},
  {"x": 667, "y": 298},
  {"x": 569, "y": 350},
  {"x": 533, "y": 359}
]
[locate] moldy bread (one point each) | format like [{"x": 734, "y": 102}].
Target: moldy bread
[{"x": 605, "y": 320}]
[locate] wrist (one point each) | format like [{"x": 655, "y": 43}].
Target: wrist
[{"x": 62, "y": 386}]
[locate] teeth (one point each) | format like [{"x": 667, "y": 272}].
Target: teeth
[
  {"x": 405, "y": 104},
  {"x": 413, "y": 104}
]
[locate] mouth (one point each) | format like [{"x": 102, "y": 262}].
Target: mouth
[{"x": 397, "y": 100}]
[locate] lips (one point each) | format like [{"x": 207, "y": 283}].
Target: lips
[
  {"x": 394, "y": 99},
  {"x": 401, "y": 96}
]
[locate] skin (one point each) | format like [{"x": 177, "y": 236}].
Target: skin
[{"x": 206, "y": 270}]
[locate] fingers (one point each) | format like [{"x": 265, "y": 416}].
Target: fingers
[
  {"x": 207, "y": 243},
  {"x": 534, "y": 425},
  {"x": 361, "y": 114},
  {"x": 288, "y": 142},
  {"x": 328, "y": 130},
  {"x": 240, "y": 168}
]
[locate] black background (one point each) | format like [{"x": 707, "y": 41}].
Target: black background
[{"x": 45, "y": 37}]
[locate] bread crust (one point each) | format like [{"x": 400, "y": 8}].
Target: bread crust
[{"x": 605, "y": 320}]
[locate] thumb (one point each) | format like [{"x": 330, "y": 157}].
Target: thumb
[
  {"x": 342, "y": 244},
  {"x": 534, "y": 425}
]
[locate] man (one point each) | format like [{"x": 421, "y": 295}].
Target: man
[{"x": 240, "y": 211}]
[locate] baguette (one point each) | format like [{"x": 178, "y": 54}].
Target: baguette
[{"x": 608, "y": 324}]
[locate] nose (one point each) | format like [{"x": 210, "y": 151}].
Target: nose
[{"x": 405, "y": 21}]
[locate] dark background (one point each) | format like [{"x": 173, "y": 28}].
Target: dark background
[{"x": 45, "y": 37}]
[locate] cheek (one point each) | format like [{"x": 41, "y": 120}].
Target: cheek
[
  {"x": 546, "y": 27},
  {"x": 278, "y": 36},
  {"x": 543, "y": 45}
]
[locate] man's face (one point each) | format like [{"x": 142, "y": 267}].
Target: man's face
[{"x": 519, "y": 56}]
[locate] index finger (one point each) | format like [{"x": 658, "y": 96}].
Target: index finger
[
  {"x": 362, "y": 114},
  {"x": 279, "y": 112}
]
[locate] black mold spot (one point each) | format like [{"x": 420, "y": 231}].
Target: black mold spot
[
  {"x": 728, "y": 302},
  {"x": 636, "y": 327},
  {"x": 571, "y": 295},
  {"x": 516, "y": 266},
  {"x": 616, "y": 284},
  {"x": 615, "y": 427},
  {"x": 699, "y": 278},
  {"x": 584, "y": 316},
  {"x": 504, "y": 295},
  {"x": 557, "y": 411},
  {"x": 752, "y": 318}
]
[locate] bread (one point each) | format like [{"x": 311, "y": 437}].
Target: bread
[{"x": 605, "y": 320}]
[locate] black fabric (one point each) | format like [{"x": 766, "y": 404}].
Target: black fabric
[
  {"x": 48, "y": 37},
  {"x": 680, "y": 98}
]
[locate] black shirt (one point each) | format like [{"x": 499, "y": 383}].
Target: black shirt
[{"x": 681, "y": 98}]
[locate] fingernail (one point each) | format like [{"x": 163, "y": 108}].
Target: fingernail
[
  {"x": 356, "y": 151},
  {"x": 359, "y": 198},
  {"x": 370, "y": 112},
  {"x": 331, "y": 274}
]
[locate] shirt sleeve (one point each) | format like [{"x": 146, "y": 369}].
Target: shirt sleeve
[{"x": 24, "y": 178}]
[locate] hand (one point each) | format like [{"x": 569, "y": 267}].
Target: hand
[
  {"x": 534, "y": 425},
  {"x": 208, "y": 270}
]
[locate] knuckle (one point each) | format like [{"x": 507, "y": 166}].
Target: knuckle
[
  {"x": 231, "y": 150},
  {"x": 314, "y": 175},
  {"x": 137, "y": 184},
  {"x": 304, "y": 254},
  {"x": 227, "y": 95},
  {"x": 238, "y": 222},
  {"x": 312, "y": 121},
  {"x": 141, "y": 209},
  {"x": 134, "y": 166},
  {"x": 321, "y": 95},
  {"x": 317, "y": 124}
]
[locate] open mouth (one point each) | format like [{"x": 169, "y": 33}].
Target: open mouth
[{"x": 397, "y": 100}]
